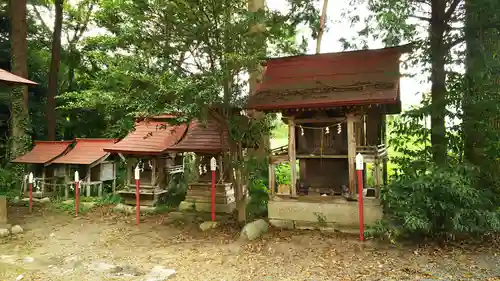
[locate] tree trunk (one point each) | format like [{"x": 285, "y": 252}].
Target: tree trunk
[
  {"x": 321, "y": 26},
  {"x": 54, "y": 72},
  {"x": 19, "y": 101},
  {"x": 438, "y": 79}
]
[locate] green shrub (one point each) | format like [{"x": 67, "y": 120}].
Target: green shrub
[
  {"x": 438, "y": 203},
  {"x": 259, "y": 196},
  {"x": 283, "y": 174}
]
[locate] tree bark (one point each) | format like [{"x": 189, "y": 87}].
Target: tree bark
[
  {"x": 438, "y": 78},
  {"x": 321, "y": 26},
  {"x": 19, "y": 64},
  {"x": 54, "y": 72}
]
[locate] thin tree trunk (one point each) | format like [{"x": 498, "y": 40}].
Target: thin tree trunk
[
  {"x": 54, "y": 72},
  {"x": 19, "y": 101},
  {"x": 321, "y": 26},
  {"x": 438, "y": 79}
]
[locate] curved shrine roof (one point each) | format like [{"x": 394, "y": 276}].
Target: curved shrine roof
[
  {"x": 330, "y": 80},
  {"x": 86, "y": 152},
  {"x": 149, "y": 137},
  {"x": 44, "y": 152},
  {"x": 10, "y": 78}
]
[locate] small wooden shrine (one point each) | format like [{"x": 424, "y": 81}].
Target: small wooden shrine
[
  {"x": 37, "y": 161},
  {"x": 207, "y": 139},
  {"x": 146, "y": 146},
  {"x": 94, "y": 165},
  {"x": 335, "y": 106}
]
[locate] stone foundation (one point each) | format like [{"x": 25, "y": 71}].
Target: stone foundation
[
  {"x": 199, "y": 198},
  {"x": 336, "y": 214}
]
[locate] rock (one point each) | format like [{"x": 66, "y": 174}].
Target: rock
[
  {"x": 28, "y": 259},
  {"x": 4, "y": 232},
  {"x": 208, "y": 225},
  {"x": 160, "y": 273},
  {"x": 254, "y": 229},
  {"x": 128, "y": 271},
  {"x": 103, "y": 267},
  {"x": 88, "y": 205},
  {"x": 68, "y": 202},
  {"x": 124, "y": 208},
  {"x": 16, "y": 200},
  {"x": 45, "y": 200},
  {"x": 20, "y": 277},
  {"x": 16, "y": 229}
]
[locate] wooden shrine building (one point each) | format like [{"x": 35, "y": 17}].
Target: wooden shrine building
[
  {"x": 38, "y": 161},
  {"x": 335, "y": 106},
  {"x": 93, "y": 164},
  {"x": 146, "y": 146},
  {"x": 207, "y": 139}
]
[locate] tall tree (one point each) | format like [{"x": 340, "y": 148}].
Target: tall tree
[
  {"x": 54, "y": 71},
  {"x": 19, "y": 64},
  {"x": 321, "y": 26},
  {"x": 395, "y": 21}
]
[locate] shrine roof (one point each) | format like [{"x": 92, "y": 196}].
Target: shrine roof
[
  {"x": 150, "y": 136},
  {"x": 44, "y": 152},
  {"x": 10, "y": 78},
  {"x": 86, "y": 152},
  {"x": 330, "y": 80}
]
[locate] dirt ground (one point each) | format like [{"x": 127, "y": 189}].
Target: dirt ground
[{"x": 56, "y": 246}]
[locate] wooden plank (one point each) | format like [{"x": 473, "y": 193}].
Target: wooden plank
[
  {"x": 291, "y": 154},
  {"x": 302, "y": 156},
  {"x": 351, "y": 152},
  {"x": 320, "y": 120},
  {"x": 272, "y": 180},
  {"x": 279, "y": 159}
]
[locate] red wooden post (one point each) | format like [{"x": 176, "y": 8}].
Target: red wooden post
[
  {"x": 137, "y": 195},
  {"x": 359, "y": 168},
  {"x": 77, "y": 193},
  {"x": 213, "y": 166},
  {"x": 30, "y": 181}
]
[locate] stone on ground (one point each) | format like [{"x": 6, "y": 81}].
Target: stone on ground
[
  {"x": 103, "y": 267},
  {"x": 28, "y": 259},
  {"x": 68, "y": 202},
  {"x": 16, "y": 229},
  {"x": 160, "y": 273},
  {"x": 45, "y": 200},
  {"x": 4, "y": 232},
  {"x": 88, "y": 204},
  {"x": 124, "y": 208},
  {"x": 204, "y": 226},
  {"x": 254, "y": 230}
]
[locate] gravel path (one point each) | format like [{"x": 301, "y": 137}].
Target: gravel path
[{"x": 106, "y": 246}]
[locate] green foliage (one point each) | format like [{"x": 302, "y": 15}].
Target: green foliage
[
  {"x": 10, "y": 181},
  {"x": 110, "y": 199},
  {"x": 259, "y": 196},
  {"x": 283, "y": 174},
  {"x": 440, "y": 202}
]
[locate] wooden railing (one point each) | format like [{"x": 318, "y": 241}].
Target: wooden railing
[{"x": 370, "y": 153}]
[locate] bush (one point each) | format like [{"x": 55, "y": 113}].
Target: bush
[
  {"x": 10, "y": 181},
  {"x": 259, "y": 196},
  {"x": 438, "y": 203},
  {"x": 283, "y": 174}
]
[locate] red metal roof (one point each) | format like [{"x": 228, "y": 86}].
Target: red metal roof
[
  {"x": 9, "y": 78},
  {"x": 149, "y": 137},
  {"x": 208, "y": 136},
  {"x": 44, "y": 152},
  {"x": 86, "y": 152},
  {"x": 328, "y": 80}
]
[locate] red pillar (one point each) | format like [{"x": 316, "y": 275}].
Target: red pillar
[
  {"x": 137, "y": 196},
  {"x": 359, "y": 168},
  {"x": 77, "y": 193},
  {"x": 213, "y": 167},
  {"x": 30, "y": 181}
]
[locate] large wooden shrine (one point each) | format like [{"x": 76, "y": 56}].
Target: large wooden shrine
[
  {"x": 335, "y": 105},
  {"x": 147, "y": 147}
]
